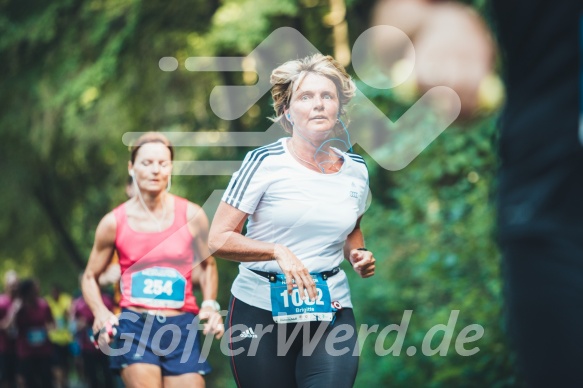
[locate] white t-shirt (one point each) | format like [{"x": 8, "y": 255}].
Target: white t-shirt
[{"x": 308, "y": 212}]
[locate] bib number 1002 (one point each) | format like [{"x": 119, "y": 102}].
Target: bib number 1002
[{"x": 297, "y": 301}]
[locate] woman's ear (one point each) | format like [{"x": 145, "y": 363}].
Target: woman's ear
[{"x": 287, "y": 115}]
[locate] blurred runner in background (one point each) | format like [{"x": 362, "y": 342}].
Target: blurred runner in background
[
  {"x": 60, "y": 336},
  {"x": 31, "y": 316},
  {"x": 7, "y": 336}
]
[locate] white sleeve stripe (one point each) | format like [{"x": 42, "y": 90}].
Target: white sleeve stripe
[
  {"x": 243, "y": 171},
  {"x": 240, "y": 197},
  {"x": 352, "y": 155},
  {"x": 252, "y": 163},
  {"x": 357, "y": 158}
]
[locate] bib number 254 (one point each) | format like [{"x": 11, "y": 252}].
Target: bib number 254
[{"x": 157, "y": 287}]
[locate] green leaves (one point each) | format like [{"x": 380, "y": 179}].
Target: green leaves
[
  {"x": 431, "y": 233},
  {"x": 78, "y": 75}
]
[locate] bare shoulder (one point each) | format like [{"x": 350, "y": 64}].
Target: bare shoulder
[
  {"x": 106, "y": 229},
  {"x": 194, "y": 211},
  {"x": 197, "y": 218}
]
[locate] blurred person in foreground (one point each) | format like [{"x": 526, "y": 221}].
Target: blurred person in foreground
[
  {"x": 540, "y": 189},
  {"x": 7, "y": 336},
  {"x": 159, "y": 238}
]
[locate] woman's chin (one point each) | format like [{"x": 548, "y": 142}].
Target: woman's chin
[
  {"x": 152, "y": 190},
  {"x": 320, "y": 133}
]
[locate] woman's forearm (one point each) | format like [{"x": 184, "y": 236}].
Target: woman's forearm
[
  {"x": 92, "y": 293},
  {"x": 236, "y": 247},
  {"x": 209, "y": 279}
]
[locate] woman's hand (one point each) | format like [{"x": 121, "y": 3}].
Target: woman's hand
[
  {"x": 362, "y": 262},
  {"x": 104, "y": 324},
  {"x": 214, "y": 322},
  {"x": 294, "y": 271}
]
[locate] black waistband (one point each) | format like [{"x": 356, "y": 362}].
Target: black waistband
[{"x": 271, "y": 275}]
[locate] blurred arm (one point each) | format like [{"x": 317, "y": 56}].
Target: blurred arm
[
  {"x": 453, "y": 45},
  {"x": 111, "y": 275},
  {"x": 99, "y": 259},
  {"x": 206, "y": 269}
]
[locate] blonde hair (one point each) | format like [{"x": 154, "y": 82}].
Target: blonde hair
[
  {"x": 150, "y": 137},
  {"x": 291, "y": 73}
]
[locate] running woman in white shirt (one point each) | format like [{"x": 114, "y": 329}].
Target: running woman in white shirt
[{"x": 304, "y": 200}]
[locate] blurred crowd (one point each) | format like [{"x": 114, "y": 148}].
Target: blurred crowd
[{"x": 44, "y": 340}]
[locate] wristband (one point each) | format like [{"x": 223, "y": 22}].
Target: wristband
[
  {"x": 211, "y": 303},
  {"x": 362, "y": 249},
  {"x": 107, "y": 328}
]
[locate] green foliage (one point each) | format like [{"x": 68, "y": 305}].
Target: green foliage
[
  {"x": 242, "y": 25},
  {"x": 78, "y": 75},
  {"x": 435, "y": 253}
]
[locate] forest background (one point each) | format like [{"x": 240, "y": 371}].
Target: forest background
[{"x": 77, "y": 75}]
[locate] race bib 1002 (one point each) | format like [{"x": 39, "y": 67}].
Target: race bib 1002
[
  {"x": 158, "y": 287},
  {"x": 287, "y": 308}
]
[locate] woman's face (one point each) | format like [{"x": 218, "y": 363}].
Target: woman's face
[
  {"x": 314, "y": 106},
  {"x": 152, "y": 167}
]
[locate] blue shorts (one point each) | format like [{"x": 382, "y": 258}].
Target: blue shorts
[{"x": 172, "y": 343}]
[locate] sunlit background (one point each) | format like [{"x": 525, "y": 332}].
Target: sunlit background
[{"x": 77, "y": 75}]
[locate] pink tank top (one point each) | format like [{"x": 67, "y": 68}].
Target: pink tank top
[{"x": 156, "y": 266}]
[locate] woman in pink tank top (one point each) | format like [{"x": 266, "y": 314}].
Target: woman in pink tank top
[{"x": 159, "y": 238}]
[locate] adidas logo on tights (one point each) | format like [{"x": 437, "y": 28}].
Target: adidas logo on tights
[{"x": 248, "y": 333}]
